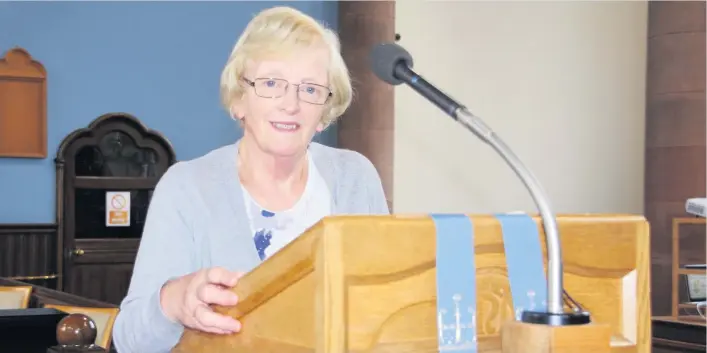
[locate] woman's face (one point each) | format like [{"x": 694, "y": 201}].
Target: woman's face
[{"x": 283, "y": 109}]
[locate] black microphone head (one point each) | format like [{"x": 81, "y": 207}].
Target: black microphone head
[{"x": 385, "y": 57}]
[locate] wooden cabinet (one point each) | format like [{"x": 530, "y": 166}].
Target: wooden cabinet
[
  {"x": 116, "y": 153},
  {"x": 681, "y": 334},
  {"x": 678, "y": 261},
  {"x": 683, "y": 330}
]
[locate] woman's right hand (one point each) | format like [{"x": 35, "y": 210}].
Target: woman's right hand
[{"x": 186, "y": 300}]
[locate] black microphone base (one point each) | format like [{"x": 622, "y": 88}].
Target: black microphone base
[
  {"x": 552, "y": 319},
  {"x": 540, "y": 332}
]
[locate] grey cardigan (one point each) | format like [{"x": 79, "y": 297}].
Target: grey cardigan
[{"x": 197, "y": 219}]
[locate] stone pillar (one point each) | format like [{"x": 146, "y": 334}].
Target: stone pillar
[
  {"x": 675, "y": 131},
  {"x": 367, "y": 127}
]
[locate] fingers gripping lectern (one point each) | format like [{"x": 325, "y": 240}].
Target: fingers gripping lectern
[{"x": 380, "y": 284}]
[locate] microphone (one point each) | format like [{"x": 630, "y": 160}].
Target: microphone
[{"x": 393, "y": 64}]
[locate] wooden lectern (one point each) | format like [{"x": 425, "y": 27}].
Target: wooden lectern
[{"x": 367, "y": 284}]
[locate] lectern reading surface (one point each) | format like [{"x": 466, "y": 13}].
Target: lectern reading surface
[{"x": 368, "y": 284}]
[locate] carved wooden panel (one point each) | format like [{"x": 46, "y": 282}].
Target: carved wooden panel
[
  {"x": 106, "y": 280},
  {"x": 115, "y": 152},
  {"x": 28, "y": 253},
  {"x": 23, "y": 106}
]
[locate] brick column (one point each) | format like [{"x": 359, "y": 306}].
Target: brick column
[
  {"x": 675, "y": 132},
  {"x": 368, "y": 125}
]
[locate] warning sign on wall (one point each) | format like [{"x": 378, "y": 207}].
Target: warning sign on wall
[{"x": 117, "y": 209}]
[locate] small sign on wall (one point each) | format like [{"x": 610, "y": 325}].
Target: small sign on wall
[{"x": 118, "y": 209}]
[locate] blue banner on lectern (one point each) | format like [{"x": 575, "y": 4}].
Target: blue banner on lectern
[
  {"x": 456, "y": 283},
  {"x": 524, "y": 260}
]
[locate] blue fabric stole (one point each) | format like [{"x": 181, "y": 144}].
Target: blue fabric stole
[
  {"x": 456, "y": 283},
  {"x": 524, "y": 261},
  {"x": 456, "y": 275}
]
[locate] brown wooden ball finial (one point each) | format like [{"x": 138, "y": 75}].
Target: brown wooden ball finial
[{"x": 76, "y": 330}]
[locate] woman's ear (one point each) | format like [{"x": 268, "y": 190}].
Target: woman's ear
[{"x": 237, "y": 112}]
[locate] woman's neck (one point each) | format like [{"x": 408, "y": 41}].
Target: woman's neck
[{"x": 275, "y": 182}]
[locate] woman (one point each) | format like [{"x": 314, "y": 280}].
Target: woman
[{"x": 220, "y": 215}]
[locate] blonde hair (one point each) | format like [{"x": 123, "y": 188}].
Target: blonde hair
[{"x": 283, "y": 30}]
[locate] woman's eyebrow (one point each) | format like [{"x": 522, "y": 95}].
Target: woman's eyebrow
[
  {"x": 271, "y": 73},
  {"x": 310, "y": 80}
]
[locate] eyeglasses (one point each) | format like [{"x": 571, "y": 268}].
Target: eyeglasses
[{"x": 275, "y": 88}]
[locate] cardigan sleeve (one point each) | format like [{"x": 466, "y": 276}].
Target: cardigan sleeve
[
  {"x": 164, "y": 253},
  {"x": 377, "y": 202}
]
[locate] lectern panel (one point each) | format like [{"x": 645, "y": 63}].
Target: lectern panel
[
  {"x": 368, "y": 284},
  {"x": 295, "y": 331}
]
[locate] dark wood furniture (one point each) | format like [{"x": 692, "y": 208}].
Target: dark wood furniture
[
  {"x": 90, "y": 349},
  {"x": 38, "y": 317},
  {"x": 678, "y": 272},
  {"x": 30, "y": 330},
  {"x": 684, "y": 329},
  {"x": 116, "y": 152},
  {"x": 682, "y": 334},
  {"x": 28, "y": 253},
  {"x": 42, "y": 295},
  {"x": 76, "y": 333}
]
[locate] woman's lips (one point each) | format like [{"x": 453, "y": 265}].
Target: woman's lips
[{"x": 285, "y": 126}]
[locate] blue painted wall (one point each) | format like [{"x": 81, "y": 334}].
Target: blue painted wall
[{"x": 160, "y": 61}]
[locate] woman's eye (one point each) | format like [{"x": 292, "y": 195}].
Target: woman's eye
[
  {"x": 270, "y": 83},
  {"x": 310, "y": 89}
]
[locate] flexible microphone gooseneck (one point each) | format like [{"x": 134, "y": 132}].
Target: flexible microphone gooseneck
[{"x": 393, "y": 64}]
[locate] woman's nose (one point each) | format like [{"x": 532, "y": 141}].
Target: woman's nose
[{"x": 290, "y": 101}]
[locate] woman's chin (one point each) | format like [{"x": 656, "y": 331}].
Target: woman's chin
[{"x": 286, "y": 149}]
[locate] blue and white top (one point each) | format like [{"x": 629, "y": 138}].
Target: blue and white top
[{"x": 273, "y": 231}]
